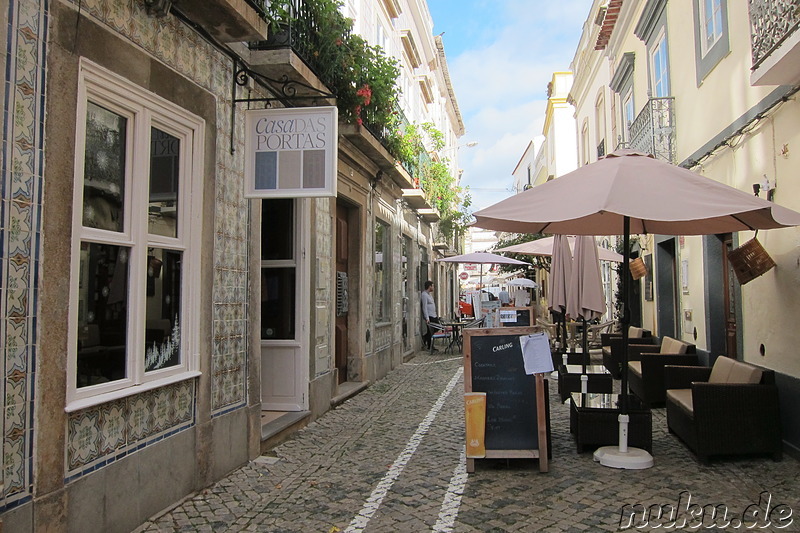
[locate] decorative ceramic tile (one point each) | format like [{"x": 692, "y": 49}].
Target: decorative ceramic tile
[
  {"x": 139, "y": 422},
  {"x": 83, "y": 438},
  {"x": 162, "y": 409},
  {"x": 127, "y": 424},
  {"x": 14, "y": 467},
  {"x": 113, "y": 426}
]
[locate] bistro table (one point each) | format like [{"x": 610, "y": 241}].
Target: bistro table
[
  {"x": 569, "y": 379},
  {"x": 455, "y": 333},
  {"x": 594, "y": 420}
]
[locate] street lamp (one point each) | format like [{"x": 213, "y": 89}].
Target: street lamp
[{"x": 469, "y": 144}]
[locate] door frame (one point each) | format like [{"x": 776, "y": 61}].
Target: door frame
[
  {"x": 300, "y": 344},
  {"x": 714, "y": 248},
  {"x": 666, "y": 287}
]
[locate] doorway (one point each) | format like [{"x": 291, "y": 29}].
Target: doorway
[
  {"x": 723, "y": 297},
  {"x": 667, "y": 288},
  {"x": 342, "y": 291},
  {"x": 283, "y": 282}
]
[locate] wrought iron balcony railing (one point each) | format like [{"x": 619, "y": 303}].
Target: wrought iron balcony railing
[
  {"x": 771, "y": 22},
  {"x": 653, "y": 130},
  {"x": 260, "y": 7},
  {"x": 601, "y": 149}
]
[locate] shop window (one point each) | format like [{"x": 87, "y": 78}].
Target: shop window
[
  {"x": 382, "y": 262},
  {"x": 278, "y": 269},
  {"x": 137, "y": 192}
]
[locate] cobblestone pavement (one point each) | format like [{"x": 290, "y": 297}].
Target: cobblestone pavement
[{"x": 391, "y": 460}]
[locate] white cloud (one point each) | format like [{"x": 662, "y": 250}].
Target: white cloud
[{"x": 501, "y": 83}]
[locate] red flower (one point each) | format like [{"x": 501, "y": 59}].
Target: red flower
[
  {"x": 338, "y": 42},
  {"x": 366, "y": 93},
  {"x": 359, "y": 121}
]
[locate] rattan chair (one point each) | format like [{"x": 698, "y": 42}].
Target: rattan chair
[
  {"x": 646, "y": 364},
  {"x": 724, "y": 415},
  {"x": 612, "y": 347}
]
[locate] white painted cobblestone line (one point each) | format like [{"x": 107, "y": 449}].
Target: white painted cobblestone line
[
  {"x": 375, "y": 499},
  {"x": 452, "y": 499}
]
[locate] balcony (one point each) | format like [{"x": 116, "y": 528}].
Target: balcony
[
  {"x": 229, "y": 21},
  {"x": 775, "y": 42},
  {"x": 653, "y": 130}
]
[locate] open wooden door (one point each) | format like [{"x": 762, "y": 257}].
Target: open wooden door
[{"x": 342, "y": 291}]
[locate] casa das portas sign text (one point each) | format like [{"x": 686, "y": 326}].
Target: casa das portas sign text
[{"x": 290, "y": 152}]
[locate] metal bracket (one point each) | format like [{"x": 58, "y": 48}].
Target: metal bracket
[{"x": 284, "y": 87}]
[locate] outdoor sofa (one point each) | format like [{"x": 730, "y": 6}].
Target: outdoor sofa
[
  {"x": 729, "y": 409},
  {"x": 646, "y": 367},
  {"x": 612, "y": 348}
]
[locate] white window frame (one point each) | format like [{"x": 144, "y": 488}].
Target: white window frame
[
  {"x": 143, "y": 110},
  {"x": 715, "y": 18},
  {"x": 628, "y": 114},
  {"x": 659, "y": 75}
]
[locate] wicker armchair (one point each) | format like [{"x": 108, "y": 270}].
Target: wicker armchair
[
  {"x": 646, "y": 367},
  {"x": 612, "y": 348},
  {"x": 730, "y": 409}
]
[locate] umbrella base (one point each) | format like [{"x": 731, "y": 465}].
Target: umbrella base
[{"x": 633, "y": 459}]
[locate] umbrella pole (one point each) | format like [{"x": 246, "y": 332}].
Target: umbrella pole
[
  {"x": 622, "y": 456},
  {"x": 585, "y": 350}
]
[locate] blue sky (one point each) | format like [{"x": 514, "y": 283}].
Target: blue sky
[{"x": 501, "y": 55}]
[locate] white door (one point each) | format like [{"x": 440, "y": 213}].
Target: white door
[
  {"x": 284, "y": 285},
  {"x": 282, "y": 384}
]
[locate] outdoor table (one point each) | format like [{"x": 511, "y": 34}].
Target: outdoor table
[
  {"x": 455, "y": 333},
  {"x": 593, "y": 420},
  {"x": 569, "y": 379}
]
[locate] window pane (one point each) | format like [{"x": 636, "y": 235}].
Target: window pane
[
  {"x": 277, "y": 303},
  {"x": 102, "y": 313},
  {"x": 277, "y": 230},
  {"x": 162, "y": 325},
  {"x": 381, "y": 271},
  {"x": 164, "y": 171},
  {"x": 104, "y": 169}
]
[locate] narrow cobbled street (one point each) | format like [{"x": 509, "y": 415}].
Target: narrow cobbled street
[{"x": 391, "y": 459}]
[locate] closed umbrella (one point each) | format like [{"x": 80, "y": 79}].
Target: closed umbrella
[
  {"x": 558, "y": 284},
  {"x": 586, "y": 299},
  {"x": 631, "y": 192}
]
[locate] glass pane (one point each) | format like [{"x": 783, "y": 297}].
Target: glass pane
[
  {"x": 277, "y": 303},
  {"x": 277, "y": 229},
  {"x": 165, "y": 151},
  {"x": 104, "y": 169},
  {"x": 381, "y": 273},
  {"x": 102, "y": 314},
  {"x": 162, "y": 325}
]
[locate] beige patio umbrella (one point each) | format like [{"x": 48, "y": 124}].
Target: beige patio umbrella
[
  {"x": 631, "y": 192},
  {"x": 544, "y": 247},
  {"x": 482, "y": 258}
]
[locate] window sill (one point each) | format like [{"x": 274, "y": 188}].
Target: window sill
[{"x": 83, "y": 403}]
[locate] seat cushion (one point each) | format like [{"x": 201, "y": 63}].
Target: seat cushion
[
  {"x": 682, "y": 398},
  {"x": 635, "y": 333},
  {"x": 635, "y": 367},
  {"x": 670, "y": 345}
]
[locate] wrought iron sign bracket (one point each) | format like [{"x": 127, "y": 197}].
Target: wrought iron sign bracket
[{"x": 284, "y": 88}]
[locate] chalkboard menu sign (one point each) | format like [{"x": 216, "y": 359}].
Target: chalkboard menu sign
[
  {"x": 497, "y": 370},
  {"x": 516, "y": 408},
  {"x": 516, "y": 316}
]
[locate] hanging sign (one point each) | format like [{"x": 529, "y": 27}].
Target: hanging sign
[{"x": 291, "y": 152}]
